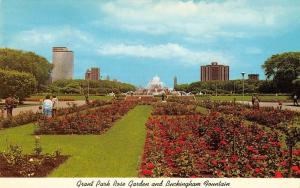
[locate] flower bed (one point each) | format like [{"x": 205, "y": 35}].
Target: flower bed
[
  {"x": 30, "y": 116},
  {"x": 16, "y": 164},
  {"x": 215, "y": 145},
  {"x": 142, "y": 100},
  {"x": 173, "y": 108},
  {"x": 270, "y": 117},
  {"x": 94, "y": 121},
  {"x": 188, "y": 100}
]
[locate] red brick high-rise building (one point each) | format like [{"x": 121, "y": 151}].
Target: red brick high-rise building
[
  {"x": 253, "y": 76},
  {"x": 214, "y": 72},
  {"x": 92, "y": 74}
]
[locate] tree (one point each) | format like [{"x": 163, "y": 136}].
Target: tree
[
  {"x": 28, "y": 62},
  {"x": 283, "y": 69},
  {"x": 16, "y": 83}
]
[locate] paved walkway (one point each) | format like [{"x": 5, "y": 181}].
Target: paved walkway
[
  {"x": 285, "y": 106},
  {"x": 35, "y": 108}
]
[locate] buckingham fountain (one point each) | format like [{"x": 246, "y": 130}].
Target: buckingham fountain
[{"x": 154, "y": 87}]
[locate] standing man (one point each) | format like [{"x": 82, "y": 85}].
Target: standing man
[
  {"x": 87, "y": 99},
  {"x": 55, "y": 105},
  {"x": 9, "y": 105},
  {"x": 295, "y": 100}
]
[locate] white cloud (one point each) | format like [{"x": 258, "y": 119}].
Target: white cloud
[
  {"x": 204, "y": 19},
  {"x": 46, "y": 37},
  {"x": 169, "y": 51}
]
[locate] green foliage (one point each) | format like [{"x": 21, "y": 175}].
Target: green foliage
[
  {"x": 296, "y": 85},
  {"x": 95, "y": 87},
  {"x": 221, "y": 87},
  {"x": 283, "y": 69},
  {"x": 28, "y": 62},
  {"x": 16, "y": 83}
]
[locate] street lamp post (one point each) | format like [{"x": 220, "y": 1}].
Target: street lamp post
[
  {"x": 88, "y": 86},
  {"x": 243, "y": 74}
]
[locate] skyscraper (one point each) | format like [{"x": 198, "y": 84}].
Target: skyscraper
[
  {"x": 63, "y": 63},
  {"x": 92, "y": 74},
  {"x": 214, "y": 72}
]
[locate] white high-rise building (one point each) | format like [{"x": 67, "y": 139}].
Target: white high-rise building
[{"x": 63, "y": 63}]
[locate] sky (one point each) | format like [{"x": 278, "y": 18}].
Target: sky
[{"x": 135, "y": 40}]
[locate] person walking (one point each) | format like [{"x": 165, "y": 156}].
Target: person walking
[
  {"x": 87, "y": 101},
  {"x": 253, "y": 99},
  {"x": 256, "y": 102},
  {"x": 296, "y": 100},
  {"x": 55, "y": 105},
  {"x": 9, "y": 105},
  {"x": 279, "y": 104},
  {"x": 47, "y": 107}
]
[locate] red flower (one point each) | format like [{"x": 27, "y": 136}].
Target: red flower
[
  {"x": 234, "y": 158},
  {"x": 250, "y": 148},
  {"x": 278, "y": 174},
  {"x": 223, "y": 142},
  {"x": 193, "y": 176},
  {"x": 217, "y": 129},
  {"x": 147, "y": 172},
  {"x": 214, "y": 162},
  {"x": 219, "y": 173},
  {"x": 227, "y": 167},
  {"x": 223, "y": 161},
  {"x": 283, "y": 163},
  {"x": 150, "y": 166},
  {"x": 295, "y": 168},
  {"x": 257, "y": 170}
]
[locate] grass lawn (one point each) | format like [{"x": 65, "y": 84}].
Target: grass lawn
[
  {"x": 75, "y": 97},
  {"x": 263, "y": 98},
  {"x": 114, "y": 154}
]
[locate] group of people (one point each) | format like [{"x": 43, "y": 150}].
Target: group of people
[{"x": 49, "y": 106}]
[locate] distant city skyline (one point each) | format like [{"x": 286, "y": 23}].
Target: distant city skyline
[{"x": 132, "y": 41}]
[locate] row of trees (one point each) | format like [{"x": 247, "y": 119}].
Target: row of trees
[
  {"x": 226, "y": 87},
  {"x": 89, "y": 86}
]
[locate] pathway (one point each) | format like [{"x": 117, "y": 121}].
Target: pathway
[
  {"x": 285, "y": 106},
  {"x": 116, "y": 153},
  {"x": 34, "y": 106}
]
